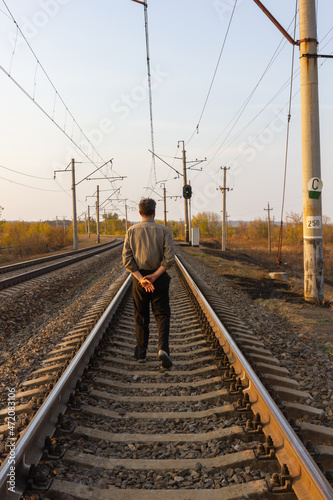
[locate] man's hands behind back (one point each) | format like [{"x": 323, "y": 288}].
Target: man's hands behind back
[{"x": 147, "y": 285}]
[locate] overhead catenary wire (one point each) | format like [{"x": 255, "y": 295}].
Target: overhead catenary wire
[
  {"x": 27, "y": 175},
  {"x": 214, "y": 75},
  {"x": 45, "y": 113},
  {"x": 287, "y": 150},
  {"x": 150, "y": 96},
  {"x": 47, "y": 77},
  {"x": 57, "y": 96},
  {"x": 285, "y": 85},
  {"x": 282, "y": 88},
  {"x": 30, "y": 187},
  {"x": 150, "y": 90},
  {"x": 5, "y": 13},
  {"x": 242, "y": 108}
]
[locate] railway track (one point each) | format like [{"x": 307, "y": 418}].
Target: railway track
[
  {"x": 208, "y": 428},
  {"x": 12, "y": 275}
]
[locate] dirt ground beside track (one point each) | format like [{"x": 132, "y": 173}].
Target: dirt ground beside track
[{"x": 284, "y": 298}]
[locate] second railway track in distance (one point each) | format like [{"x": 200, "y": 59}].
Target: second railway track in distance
[
  {"x": 207, "y": 428},
  {"x": 14, "y": 274}
]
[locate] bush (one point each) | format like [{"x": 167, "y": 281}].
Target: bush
[{"x": 23, "y": 238}]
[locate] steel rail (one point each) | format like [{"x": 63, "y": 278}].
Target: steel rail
[
  {"x": 19, "y": 278},
  {"x": 308, "y": 482},
  {"x": 49, "y": 258},
  {"x": 29, "y": 447}
]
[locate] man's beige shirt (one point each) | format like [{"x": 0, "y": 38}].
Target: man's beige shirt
[{"x": 148, "y": 246}]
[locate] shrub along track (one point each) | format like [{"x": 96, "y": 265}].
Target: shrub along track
[{"x": 189, "y": 429}]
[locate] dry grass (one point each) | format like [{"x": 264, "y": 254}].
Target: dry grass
[
  {"x": 83, "y": 242},
  {"x": 292, "y": 256}
]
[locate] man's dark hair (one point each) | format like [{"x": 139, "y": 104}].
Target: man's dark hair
[{"x": 147, "y": 207}]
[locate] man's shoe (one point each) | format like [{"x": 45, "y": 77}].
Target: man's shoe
[
  {"x": 141, "y": 358},
  {"x": 165, "y": 358}
]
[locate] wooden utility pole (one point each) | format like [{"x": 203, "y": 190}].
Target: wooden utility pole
[
  {"x": 88, "y": 221},
  {"x": 268, "y": 210},
  {"x": 97, "y": 216},
  {"x": 312, "y": 183}
]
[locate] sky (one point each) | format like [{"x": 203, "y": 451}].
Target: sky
[{"x": 76, "y": 87}]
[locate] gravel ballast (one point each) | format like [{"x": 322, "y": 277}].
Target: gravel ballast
[
  {"x": 311, "y": 366},
  {"x": 35, "y": 316}
]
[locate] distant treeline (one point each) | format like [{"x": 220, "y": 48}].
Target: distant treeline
[
  {"x": 29, "y": 238},
  {"x": 22, "y": 239},
  {"x": 209, "y": 224}
]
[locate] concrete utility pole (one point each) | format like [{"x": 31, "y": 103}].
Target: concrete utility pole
[
  {"x": 105, "y": 221},
  {"x": 227, "y": 228},
  {"x": 164, "y": 205},
  {"x": 126, "y": 216},
  {"x": 224, "y": 212},
  {"x": 190, "y": 218},
  {"x": 312, "y": 183},
  {"x": 97, "y": 216},
  {"x": 268, "y": 210},
  {"x": 75, "y": 240},
  {"x": 187, "y": 233}
]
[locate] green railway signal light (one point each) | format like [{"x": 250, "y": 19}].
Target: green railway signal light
[{"x": 187, "y": 191}]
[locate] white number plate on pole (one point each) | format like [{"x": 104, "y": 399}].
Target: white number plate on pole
[{"x": 314, "y": 222}]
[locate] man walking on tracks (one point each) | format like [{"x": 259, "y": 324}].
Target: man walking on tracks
[{"x": 148, "y": 252}]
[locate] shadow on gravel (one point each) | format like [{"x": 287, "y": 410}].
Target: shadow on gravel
[
  {"x": 228, "y": 255},
  {"x": 265, "y": 288}
]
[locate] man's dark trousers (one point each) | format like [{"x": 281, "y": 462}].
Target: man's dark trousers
[{"x": 159, "y": 299}]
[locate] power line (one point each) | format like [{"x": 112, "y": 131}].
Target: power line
[
  {"x": 5, "y": 13},
  {"x": 49, "y": 79},
  {"x": 153, "y": 168},
  {"x": 287, "y": 150},
  {"x": 57, "y": 96},
  {"x": 241, "y": 110},
  {"x": 214, "y": 75},
  {"x": 240, "y": 132},
  {"x": 31, "y": 187},
  {"x": 149, "y": 90},
  {"x": 27, "y": 175}
]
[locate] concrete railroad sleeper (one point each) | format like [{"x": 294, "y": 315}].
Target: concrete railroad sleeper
[
  {"x": 63, "y": 260},
  {"x": 207, "y": 428}
]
